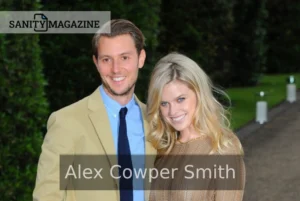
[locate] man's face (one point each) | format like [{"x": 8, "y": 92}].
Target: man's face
[{"x": 118, "y": 64}]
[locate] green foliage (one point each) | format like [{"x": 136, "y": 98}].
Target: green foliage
[
  {"x": 201, "y": 30},
  {"x": 283, "y": 36},
  {"x": 249, "y": 42},
  {"x": 23, "y": 111},
  {"x": 244, "y": 98},
  {"x": 227, "y": 38}
]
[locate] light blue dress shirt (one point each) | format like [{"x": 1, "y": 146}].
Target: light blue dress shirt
[{"x": 135, "y": 132}]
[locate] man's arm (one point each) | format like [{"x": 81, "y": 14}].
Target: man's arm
[{"x": 59, "y": 139}]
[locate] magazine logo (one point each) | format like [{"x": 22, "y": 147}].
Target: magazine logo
[
  {"x": 59, "y": 22},
  {"x": 40, "y": 23}
]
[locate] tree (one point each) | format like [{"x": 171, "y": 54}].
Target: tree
[
  {"x": 249, "y": 42},
  {"x": 226, "y": 38},
  {"x": 283, "y": 36},
  {"x": 201, "y": 30},
  {"x": 24, "y": 109}
]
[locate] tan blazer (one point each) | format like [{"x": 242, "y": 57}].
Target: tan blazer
[{"x": 80, "y": 128}]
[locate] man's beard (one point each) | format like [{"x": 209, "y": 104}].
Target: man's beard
[{"x": 110, "y": 90}]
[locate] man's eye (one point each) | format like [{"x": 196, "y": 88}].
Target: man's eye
[
  {"x": 125, "y": 57},
  {"x": 105, "y": 60}
]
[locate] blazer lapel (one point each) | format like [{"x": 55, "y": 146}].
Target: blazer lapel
[{"x": 100, "y": 120}]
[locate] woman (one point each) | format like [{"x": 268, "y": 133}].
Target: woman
[{"x": 186, "y": 120}]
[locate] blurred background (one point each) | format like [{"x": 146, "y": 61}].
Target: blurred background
[{"x": 245, "y": 46}]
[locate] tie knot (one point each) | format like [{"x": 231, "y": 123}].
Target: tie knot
[{"x": 123, "y": 112}]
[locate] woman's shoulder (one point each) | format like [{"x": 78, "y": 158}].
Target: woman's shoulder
[{"x": 232, "y": 145}]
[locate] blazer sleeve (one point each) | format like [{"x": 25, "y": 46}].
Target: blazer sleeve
[{"x": 60, "y": 139}]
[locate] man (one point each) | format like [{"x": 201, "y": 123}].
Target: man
[{"x": 92, "y": 125}]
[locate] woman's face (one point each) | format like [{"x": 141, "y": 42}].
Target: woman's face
[{"x": 178, "y": 105}]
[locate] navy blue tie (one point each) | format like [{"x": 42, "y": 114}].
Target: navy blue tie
[{"x": 124, "y": 159}]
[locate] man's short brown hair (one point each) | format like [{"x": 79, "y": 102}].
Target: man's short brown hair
[{"x": 120, "y": 27}]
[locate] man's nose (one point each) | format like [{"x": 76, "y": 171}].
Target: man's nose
[{"x": 116, "y": 66}]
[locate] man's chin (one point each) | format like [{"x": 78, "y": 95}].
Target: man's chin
[
  {"x": 120, "y": 93},
  {"x": 123, "y": 92},
  {"x": 115, "y": 91}
]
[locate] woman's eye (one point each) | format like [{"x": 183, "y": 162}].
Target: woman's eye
[
  {"x": 163, "y": 104},
  {"x": 181, "y": 99}
]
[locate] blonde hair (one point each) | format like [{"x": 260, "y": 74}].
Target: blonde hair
[{"x": 210, "y": 116}]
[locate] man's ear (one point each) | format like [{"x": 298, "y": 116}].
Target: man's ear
[
  {"x": 142, "y": 58},
  {"x": 95, "y": 61}
]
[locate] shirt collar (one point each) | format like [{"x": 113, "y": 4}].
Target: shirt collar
[{"x": 113, "y": 105}]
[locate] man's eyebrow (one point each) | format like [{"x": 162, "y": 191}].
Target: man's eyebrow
[{"x": 123, "y": 53}]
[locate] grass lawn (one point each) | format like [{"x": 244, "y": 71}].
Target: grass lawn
[{"x": 243, "y": 100}]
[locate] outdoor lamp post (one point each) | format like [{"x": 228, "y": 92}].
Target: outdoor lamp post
[
  {"x": 261, "y": 109},
  {"x": 291, "y": 89}
]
